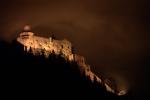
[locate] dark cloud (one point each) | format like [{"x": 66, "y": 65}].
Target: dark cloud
[{"x": 112, "y": 35}]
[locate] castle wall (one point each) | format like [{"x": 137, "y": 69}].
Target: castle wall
[{"x": 56, "y": 46}]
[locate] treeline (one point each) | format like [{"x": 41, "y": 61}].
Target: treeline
[{"x": 25, "y": 75}]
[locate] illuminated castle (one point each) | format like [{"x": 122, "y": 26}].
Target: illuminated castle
[
  {"x": 36, "y": 44},
  {"x": 39, "y": 45}
]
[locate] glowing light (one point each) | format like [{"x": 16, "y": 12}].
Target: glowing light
[
  {"x": 122, "y": 92},
  {"x": 27, "y": 28}
]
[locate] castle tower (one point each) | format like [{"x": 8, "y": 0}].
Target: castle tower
[{"x": 27, "y": 33}]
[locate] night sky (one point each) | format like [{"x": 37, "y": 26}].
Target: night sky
[{"x": 113, "y": 35}]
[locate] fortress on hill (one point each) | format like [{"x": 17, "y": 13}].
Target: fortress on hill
[
  {"x": 48, "y": 45},
  {"x": 39, "y": 45}
]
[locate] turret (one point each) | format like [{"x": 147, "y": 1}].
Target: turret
[{"x": 26, "y": 33}]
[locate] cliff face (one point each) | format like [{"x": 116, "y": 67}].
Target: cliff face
[{"x": 47, "y": 46}]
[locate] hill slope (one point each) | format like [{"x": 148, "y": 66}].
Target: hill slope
[{"x": 24, "y": 74}]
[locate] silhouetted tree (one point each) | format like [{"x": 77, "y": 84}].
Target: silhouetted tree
[{"x": 26, "y": 75}]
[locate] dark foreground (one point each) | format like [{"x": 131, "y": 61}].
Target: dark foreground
[{"x": 24, "y": 75}]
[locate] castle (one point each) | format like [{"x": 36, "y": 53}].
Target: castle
[{"x": 38, "y": 45}]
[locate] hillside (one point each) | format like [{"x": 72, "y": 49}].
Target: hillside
[{"x": 24, "y": 74}]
